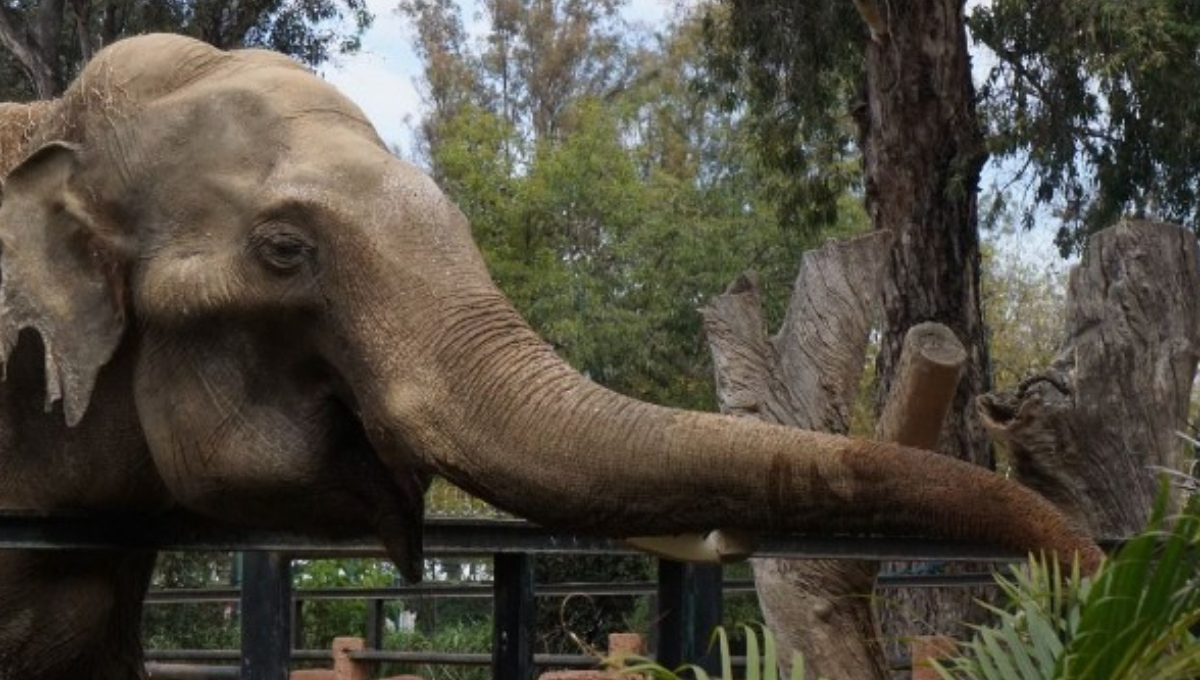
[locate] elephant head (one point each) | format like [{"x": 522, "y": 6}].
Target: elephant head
[{"x": 313, "y": 334}]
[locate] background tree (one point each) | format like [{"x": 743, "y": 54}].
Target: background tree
[
  {"x": 610, "y": 225},
  {"x": 203, "y": 625},
  {"x": 611, "y": 199},
  {"x": 49, "y": 40},
  {"x": 1024, "y": 302},
  {"x": 890, "y": 84},
  {"x": 323, "y": 620},
  {"x": 1089, "y": 100}
]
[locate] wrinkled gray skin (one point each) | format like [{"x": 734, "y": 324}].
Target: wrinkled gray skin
[{"x": 220, "y": 291}]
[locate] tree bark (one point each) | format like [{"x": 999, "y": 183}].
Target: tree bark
[
  {"x": 1091, "y": 430},
  {"x": 35, "y": 46},
  {"x": 807, "y": 376},
  {"x": 922, "y": 155}
]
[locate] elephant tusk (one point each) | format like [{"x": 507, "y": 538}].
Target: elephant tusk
[{"x": 715, "y": 547}]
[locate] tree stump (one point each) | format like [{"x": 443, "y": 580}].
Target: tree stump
[
  {"x": 1092, "y": 430},
  {"x": 807, "y": 376}
]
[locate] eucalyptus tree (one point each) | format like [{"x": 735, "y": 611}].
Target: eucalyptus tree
[
  {"x": 610, "y": 197},
  {"x": 46, "y": 42},
  {"x": 888, "y": 87},
  {"x": 1093, "y": 101}
]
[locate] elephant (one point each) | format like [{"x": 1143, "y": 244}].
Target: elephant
[{"x": 220, "y": 292}]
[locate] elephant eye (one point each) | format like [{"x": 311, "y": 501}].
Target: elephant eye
[{"x": 281, "y": 249}]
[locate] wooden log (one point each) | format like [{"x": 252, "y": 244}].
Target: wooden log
[
  {"x": 927, "y": 376},
  {"x": 931, "y": 364},
  {"x": 1093, "y": 429}
]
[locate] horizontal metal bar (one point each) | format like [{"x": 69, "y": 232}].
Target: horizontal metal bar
[
  {"x": 467, "y": 658},
  {"x": 371, "y": 655},
  {"x": 177, "y": 671},
  {"x": 443, "y": 537},
  {"x": 484, "y": 589},
  {"x": 181, "y": 532},
  {"x": 199, "y": 655},
  {"x": 379, "y": 656},
  {"x": 481, "y": 590}
]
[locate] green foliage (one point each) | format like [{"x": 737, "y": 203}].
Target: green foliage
[
  {"x": 537, "y": 58},
  {"x": 762, "y": 661},
  {"x": 568, "y": 624},
  {"x": 323, "y": 620},
  {"x": 795, "y": 71},
  {"x": 1024, "y": 303},
  {"x": 205, "y": 625},
  {"x": 1093, "y": 95},
  {"x": 610, "y": 229},
  {"x": 463, "y": 637},
  {"x": 446, "y": 500},
  {"x": 56, "y": 39},
  {"x": 1132, "y": 622}
]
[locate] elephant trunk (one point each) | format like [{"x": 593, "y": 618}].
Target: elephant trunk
[{"x": 510, "y": 422}]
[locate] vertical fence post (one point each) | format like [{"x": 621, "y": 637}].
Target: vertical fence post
[
  {"x": 669, "y": 640},
  {"x": 375, "y": 623},
  {"x": 297, "y": 624},
  {"x": 689, "y": 608},
  {"x": 266, "y": 615},
  {"x": 708, "y": 589},
  {"x": 512, "y": 644}
]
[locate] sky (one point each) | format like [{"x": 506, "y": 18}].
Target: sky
[{"x": 382, "y": 77}]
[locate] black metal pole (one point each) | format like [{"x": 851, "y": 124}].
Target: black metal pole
[
  {"x": 512, "y": 644},
  {"x": 375, "y": 623},
  {"x": 266, "y": 615},
  {"x": 669, "y": 637},
  {"x": 297, "y": 624},
  {"x": 689, "y": 609},
  {"x": 707, "y": 592}
]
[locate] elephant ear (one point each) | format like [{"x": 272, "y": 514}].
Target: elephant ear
[{"x": 57, "y": 277}]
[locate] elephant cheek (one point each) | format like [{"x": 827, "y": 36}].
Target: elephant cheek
[{"x": 208, "y": 453}]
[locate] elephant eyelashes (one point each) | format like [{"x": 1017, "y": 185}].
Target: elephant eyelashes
[{"x": 281, "y": 250}]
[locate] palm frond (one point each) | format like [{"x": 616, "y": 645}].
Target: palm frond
[
  {"x": 762, "y": 663},
  {"x": 1132, "y": 623}
]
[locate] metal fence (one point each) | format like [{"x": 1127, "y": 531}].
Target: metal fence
[{"x": 688, "y": 597}]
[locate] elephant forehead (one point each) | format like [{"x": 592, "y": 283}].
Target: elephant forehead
[
  {"x": 342, "y": 171},
  {"x": 138, "y": 71}
]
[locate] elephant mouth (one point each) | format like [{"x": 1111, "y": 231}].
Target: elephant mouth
[{"x": 394, "y": 497}]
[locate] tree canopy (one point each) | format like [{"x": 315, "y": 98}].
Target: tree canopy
[
  {"x": 1094, "y": 99},
  {"x": 795, "y": 71},
  {"x": 47, "y": 41},
  {"x": 610, "y": 200}
]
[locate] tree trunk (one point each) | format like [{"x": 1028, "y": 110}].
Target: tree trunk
[
  {"x": 35, "y": 45},
  {"x": 1090, "y": 431},
  {"x": 922, "y": 154},
  {"x": 808, "y": 376}
]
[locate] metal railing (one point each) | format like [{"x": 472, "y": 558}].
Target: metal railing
[{"x": 688, "y": 597}]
